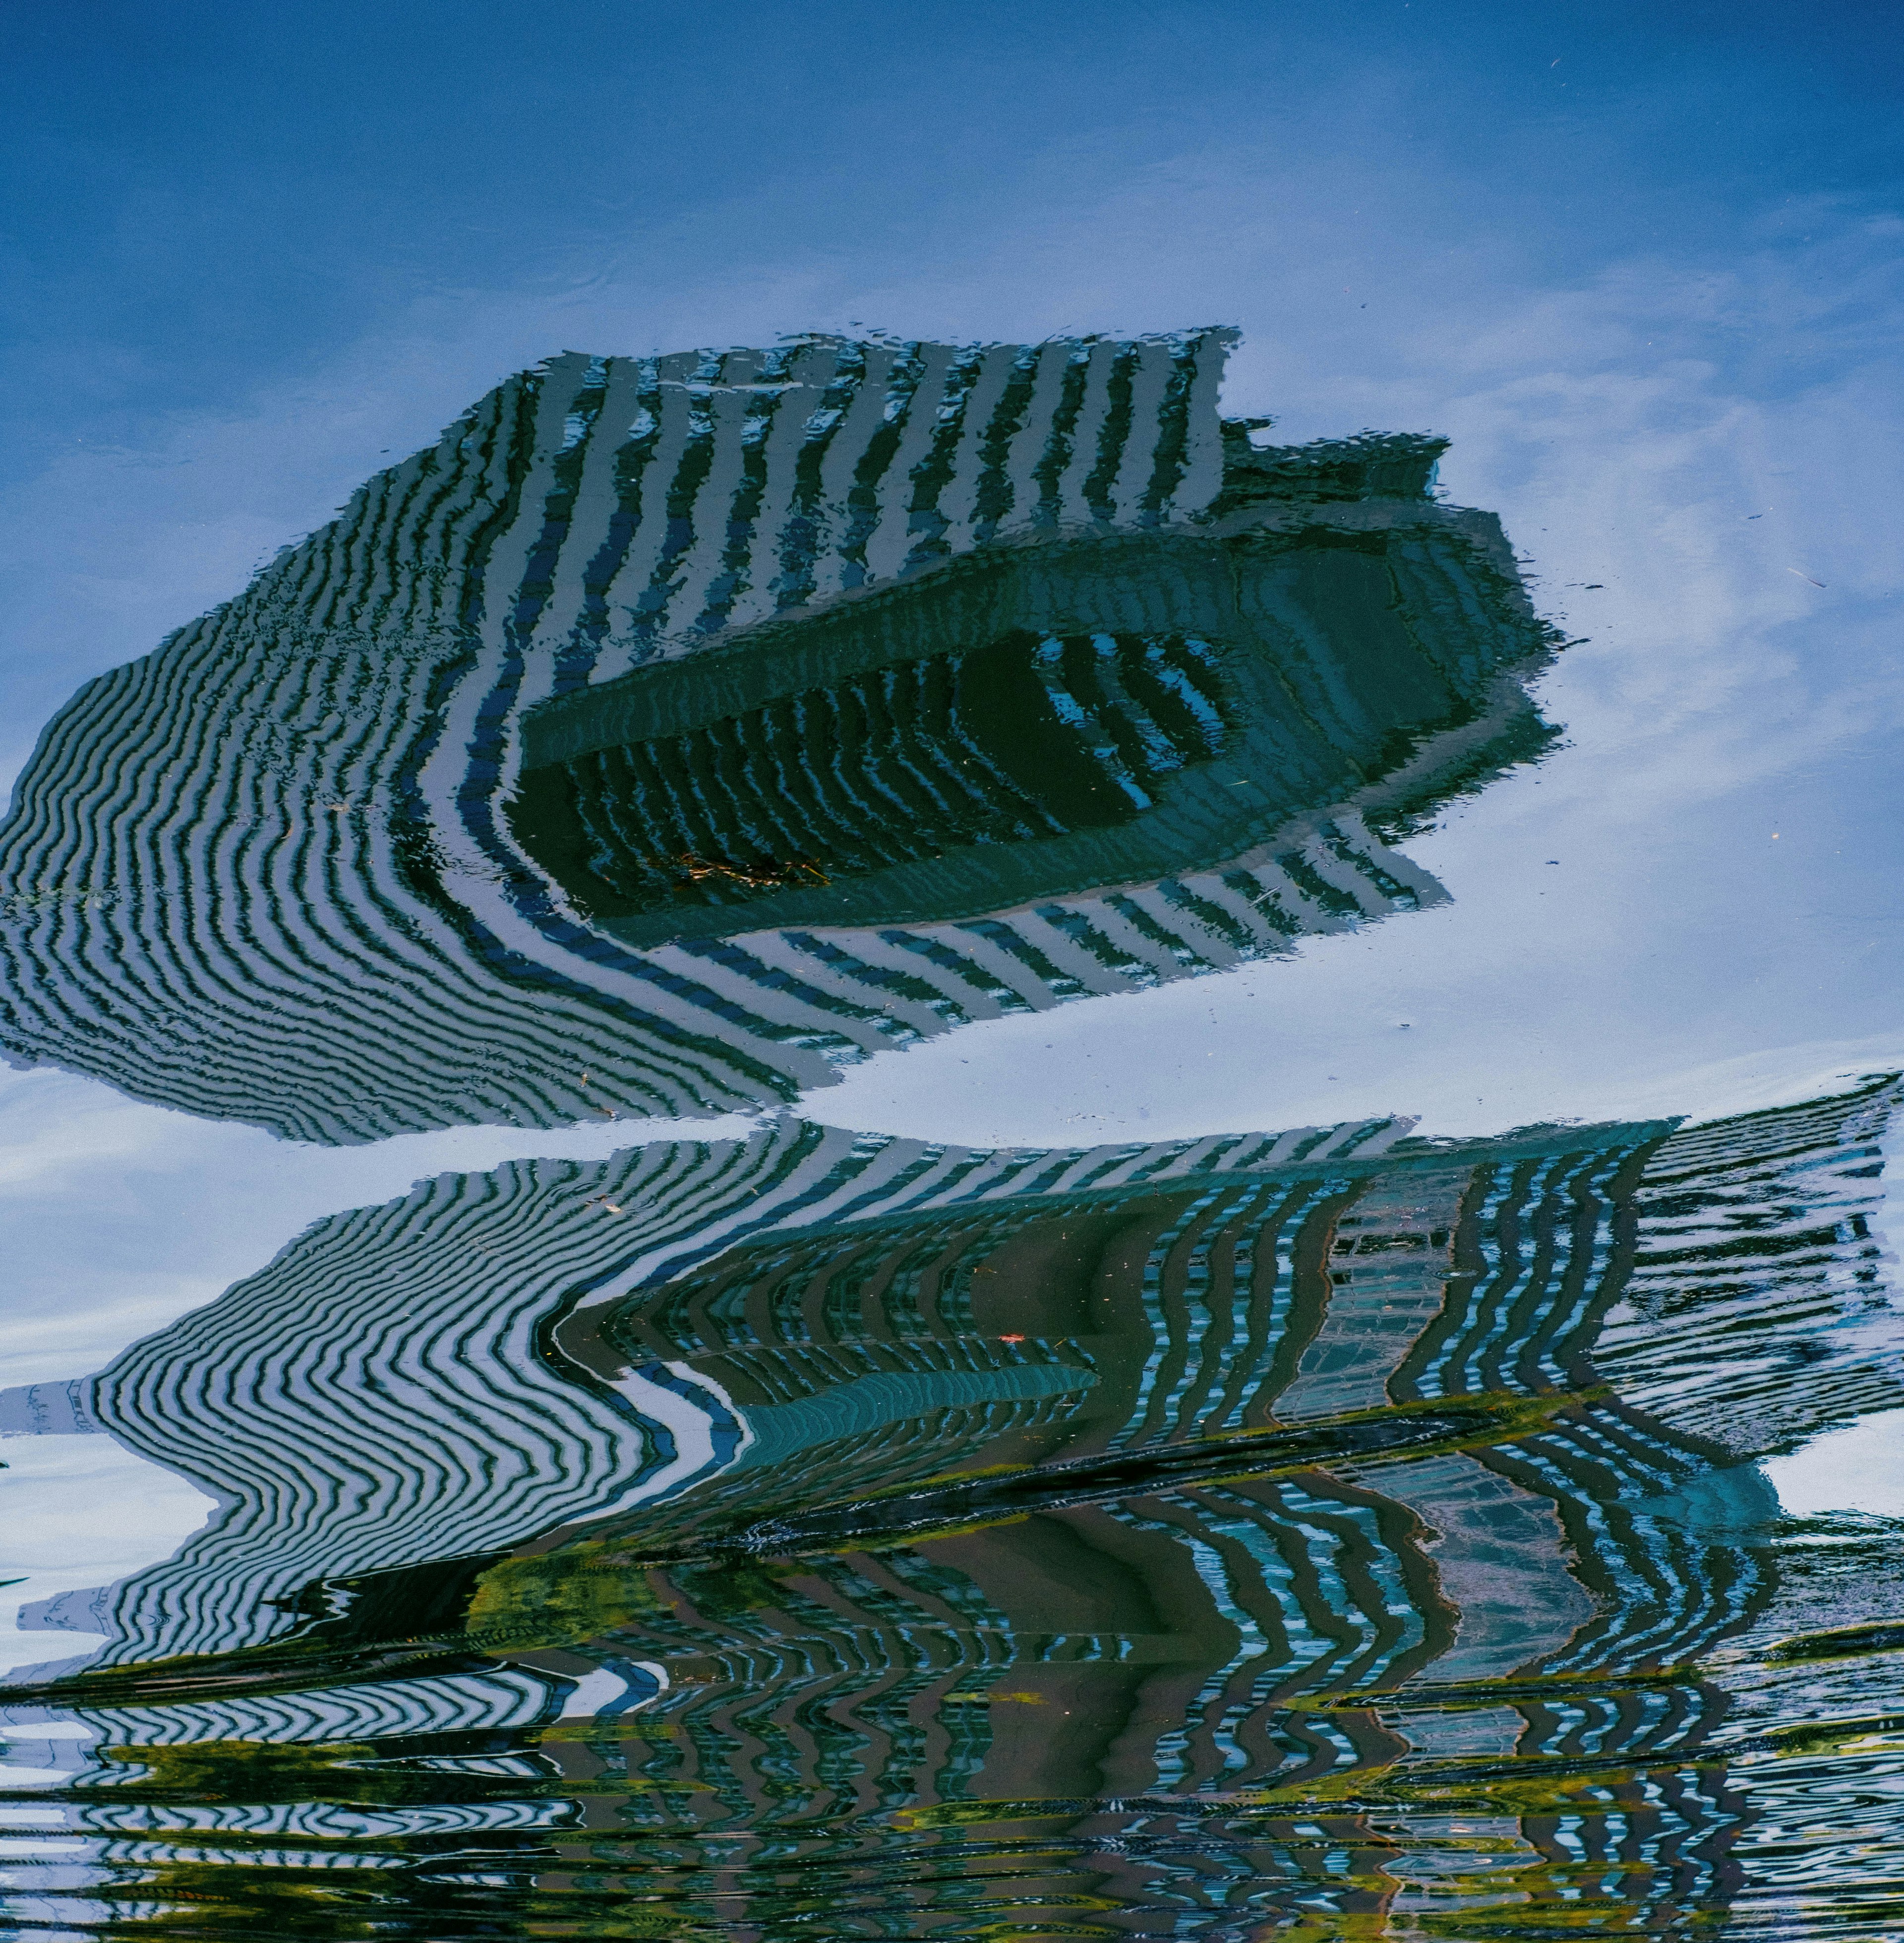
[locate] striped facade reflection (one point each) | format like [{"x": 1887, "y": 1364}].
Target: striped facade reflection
[
  {"x": 1241, "y": 1690},
  {"x": 297, "y": 821},
  {"x": 905, "y": 1307},
  {"x": 385, "y": 1380},
  {"x": 1477, "y": 1615}
]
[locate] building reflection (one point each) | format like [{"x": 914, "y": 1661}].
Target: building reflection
[
  {"x": 1321, "y": 1531},
  {"x": 1330, "y": 1533},
  {"x": 677, "y": 729}
]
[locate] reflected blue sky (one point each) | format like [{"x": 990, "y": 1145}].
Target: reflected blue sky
[
  {"x": 254, "y": 249},
  {"x": 1640, "y": 265}
]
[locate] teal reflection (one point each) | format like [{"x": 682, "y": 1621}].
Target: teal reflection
[{"x": 1328, "y": 1529}]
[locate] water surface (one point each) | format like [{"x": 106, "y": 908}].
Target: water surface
[
  {"x": 934, "y": 1103},
  {"x": 1333, "y": 1529}
]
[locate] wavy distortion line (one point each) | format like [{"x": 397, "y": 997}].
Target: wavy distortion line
[{"x": 290, "y": 867}]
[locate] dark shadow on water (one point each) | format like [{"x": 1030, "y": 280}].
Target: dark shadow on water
[{"x": 1035, "y": 722}]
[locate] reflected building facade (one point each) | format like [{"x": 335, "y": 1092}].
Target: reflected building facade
[
  {"x": 678, "y": 728},
  {"x": 873, "y": 1508},
  {"x": 1329, "y": 1533}
]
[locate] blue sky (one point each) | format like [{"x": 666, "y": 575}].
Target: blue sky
[
  {"x": 216, "y": 193},
  {"x": 1642, "y": 264},
  {"x": 250, "y": 247}
]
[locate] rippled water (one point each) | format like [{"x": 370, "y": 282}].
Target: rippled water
[{"x": 776, "y": 1530}]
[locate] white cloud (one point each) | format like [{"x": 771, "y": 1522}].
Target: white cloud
[
  {"x": 121, "y": 1216},
  {"x": 1858, "y": 1469},
  {"x": 78, "y": 1512}
]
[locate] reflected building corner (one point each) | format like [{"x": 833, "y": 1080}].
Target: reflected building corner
[
  {"x": 678, "y": 730},
  {"x": 1227, "y": 1503}
]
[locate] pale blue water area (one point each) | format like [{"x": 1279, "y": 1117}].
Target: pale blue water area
[{"x": 948, "y": 964}]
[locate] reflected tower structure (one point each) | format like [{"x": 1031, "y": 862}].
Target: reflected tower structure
[
  {"x": 1182, "y": 1517},
  {"x": 1133, "y": 1638},
  {"x": 1330, "y": 1532},
  {"x": 391, "y": 1376},
  {"x": 678, "y": 728}
]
